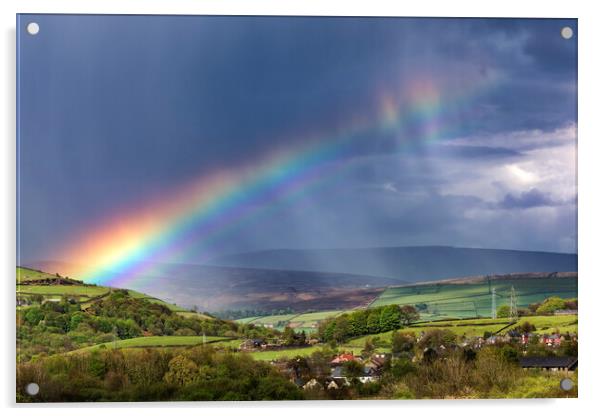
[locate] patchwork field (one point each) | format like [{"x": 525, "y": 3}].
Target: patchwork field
[
  {"x": 157, "y": 341},
  {"x": 52, "y": 287},
  {"x": 446, "y": 300},
  {"x": 26, "y": 275},
  {"x": 62, "y": 290},
  {"x": 472, "y": 298},
  {"x": 307, "y": 322},
  {"x": 478, "y": 327}
]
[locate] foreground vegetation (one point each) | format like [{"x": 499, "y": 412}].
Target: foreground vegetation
[
  {"x": 90, "y": 343},
  {"x": 48, "y": 328},
  {"x": 151, "y": 375},
  {"x": 202, "y": 373}
]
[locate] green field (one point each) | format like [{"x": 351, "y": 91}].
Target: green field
[
  {"x": 478, "y": 327},
  {"x": 548, "y": 324},
  {"x": 158, "y": 341},
  {"x": 196, "y": 315},
  {"x": 269, "y": 320},
  {"x": 24, "y": 274},
  {"x": 83, "y": 292},
  {"x": 462, "y": 300},
  {"x": 62, "y": 290},
  {"x": 444, "y": 301},
  {"x": 300, "y": 322},
  {"x": 293, "y": 352}
]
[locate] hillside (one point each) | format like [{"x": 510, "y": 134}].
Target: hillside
[
  {"x": 471, "y": 296},
  {"x": 406, "y": 263},
  {"x": 52, "y": 287},
  {"x": 213, "y": 288},
  {"x": 468, "y": 297}
]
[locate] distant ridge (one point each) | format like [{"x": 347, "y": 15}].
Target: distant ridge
[
  {"x": 422, "y": 263},
  {"x": 493, "y": 278}
]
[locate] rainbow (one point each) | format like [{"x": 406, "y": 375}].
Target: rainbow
[{"x": 127, "y": 245}]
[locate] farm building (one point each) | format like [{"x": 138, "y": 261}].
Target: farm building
[
  {"x": 566, "y": 312},
  {"x": 549, "y": 363}
]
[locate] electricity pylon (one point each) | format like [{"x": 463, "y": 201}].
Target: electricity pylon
[
  {"x": 493, "y": 306},
  {"x": 513, "y": 306}
]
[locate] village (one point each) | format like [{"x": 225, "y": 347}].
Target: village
[{"x": 337, "y": 368}]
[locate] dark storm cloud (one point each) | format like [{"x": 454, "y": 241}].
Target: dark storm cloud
[
  {"x": 115, "y": 110},
  {"x": 530, "y": 199}
]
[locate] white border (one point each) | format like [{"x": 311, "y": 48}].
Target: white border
[{"x": 590, "y": 207}]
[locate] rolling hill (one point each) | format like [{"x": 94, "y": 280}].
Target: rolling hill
[
  {"x": 463, "y": 298},
  {"x": 413, "y": 264},
  {"x": 213, "y": 288}
]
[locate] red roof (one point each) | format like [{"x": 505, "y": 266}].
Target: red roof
[{"x": 343, "y": 358}]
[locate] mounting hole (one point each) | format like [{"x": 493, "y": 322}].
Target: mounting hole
[
  {"x": 33, "y": 28},
  {"x": 566, "y": 384},
  {"x": 32, "y": 389},
  {"x": 566, "y": 32}
]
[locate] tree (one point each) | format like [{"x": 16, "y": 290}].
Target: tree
[
  {"x": 341, "y": 329},
  {"x": 288, "y": 336},
  {"x": 402, "y": 342},
  {"x": 368, "y": 347},
  {"x": 357, "y": 323},
  {"x": 34, "y": 315},
  {"x": 527, "y": 327},
  {"x": 550, "y": 305},
  {"x": 373, "y": 322},
  {"x": 390, "y": 318},
  {"x": 435, "y": 338},
  {"x": 182, "y": 370},
  {"x": 503, "y": 311},
  {"x": 409, "y": 314}
]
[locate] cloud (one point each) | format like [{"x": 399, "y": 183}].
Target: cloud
[{"x": 530, "y": 199}]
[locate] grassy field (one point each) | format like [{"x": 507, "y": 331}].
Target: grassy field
[
  {"x": 478, "y": 327},
  {"x": 293, "y": 352},
  {"x": 24, "y": 274},
  {"x": 156, "y": 341},
  {"x": 548, "y": 324},
  {"x": 449, "y": 300},
  {"x": 63, "y": 290},
  {"x": 300, "y": 322},
  {"x": 269, "y": 320},
  {"x": 445, "y": 301},
  {"x": 196, "y": 315}
]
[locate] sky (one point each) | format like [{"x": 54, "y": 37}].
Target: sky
[{"x": 186, "y": 138}]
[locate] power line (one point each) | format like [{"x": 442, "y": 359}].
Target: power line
[{"x": 493, "y": 306}]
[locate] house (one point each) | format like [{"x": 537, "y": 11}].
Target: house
[
  {"x": 492, "y": 340},
  {"x": 337, "y": 372},
  {"x": 371, "y": 373},
  {"x": 251, "y": 344},
  {"x": 343, "y": 358},
  {"x": 313, "y": 384},
  {"x": 378, "y": 360},
  {"x": 526, "y": 337},
  {"x": 552, "y": 340},
  {"x": 549, "y": 363},
  {"x": 332, "y": 385}
]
